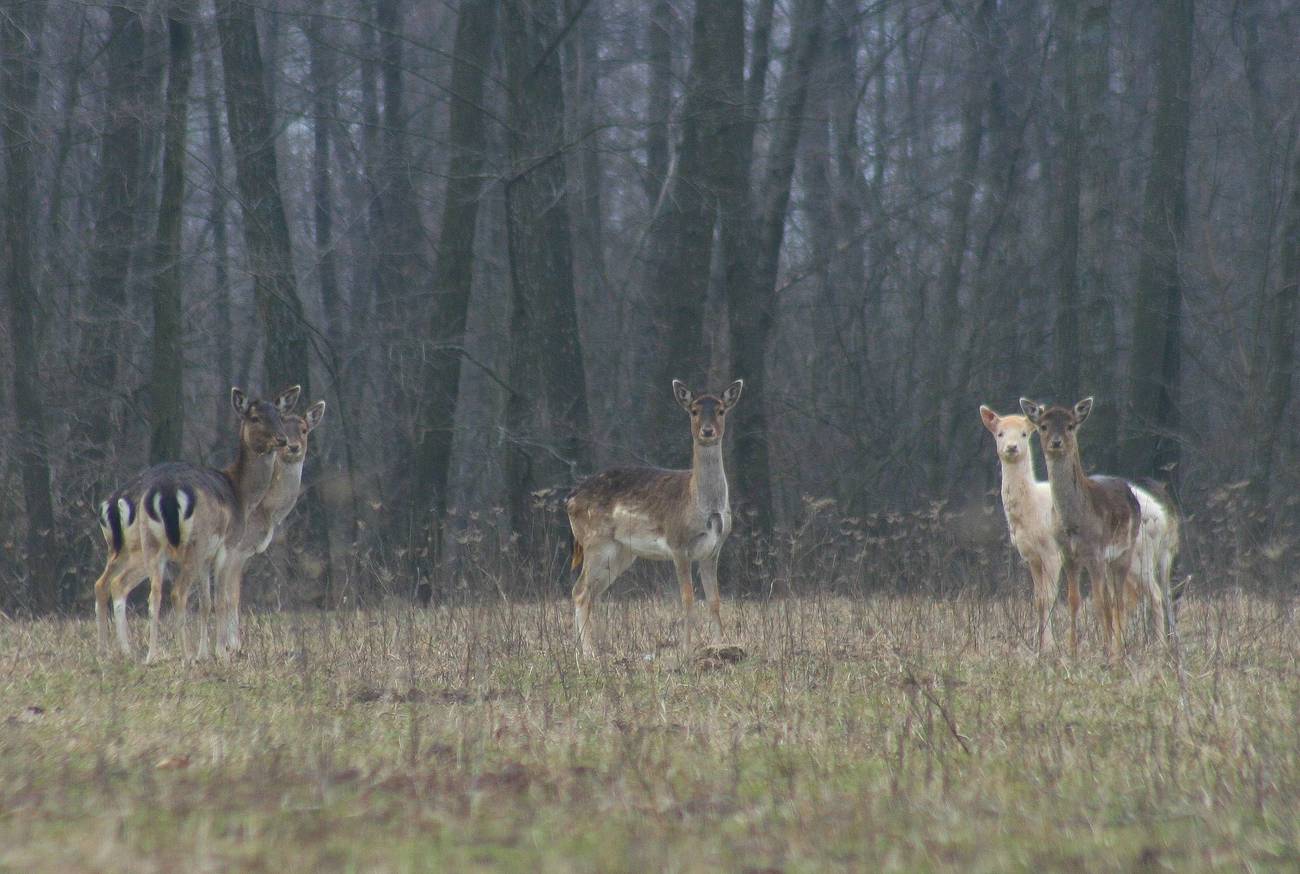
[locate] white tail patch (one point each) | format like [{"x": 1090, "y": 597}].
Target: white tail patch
[{"x": 185, "y": 512}]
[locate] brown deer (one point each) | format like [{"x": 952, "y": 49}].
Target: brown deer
[
  {"x": 188, "y": 515},
  {"x": 1098, "y": 520},
  {"x": 682, "y": 516},
  {"x": 264, "y": 521}
]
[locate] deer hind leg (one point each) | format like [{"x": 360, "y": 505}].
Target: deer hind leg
[
  {"x": 601, "y": 566},
  {"x": 204, "y": 580},
  {"x": 103, "y": 593},
  {"x": 157, "y": 566},
  {"x": 709, "y": 577},
  {"x": 122, "y": 585},
  {"x": 186, "y": 576}
]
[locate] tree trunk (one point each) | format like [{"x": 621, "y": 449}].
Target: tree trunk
[
  {"x": 453, "y": 266},
  {"x": 965, "y": 180},
  {"x": 266, "y": 232},
  {"x": 168, "y": 336},
  {"x": 1066, "y": 346},
  {"x": 548, "y": 429},
  {"x": 20, "y": 60},
  {"x": 751, "y": 302},
  {"x": 1152, "y": 444},
  {"x": 225, "y": 365},
  {"x": 659, "y": 101},
  {"x": 121, "y": 169}
]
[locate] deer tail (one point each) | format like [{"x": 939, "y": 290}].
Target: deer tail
[{"x": 170, "y": 508}]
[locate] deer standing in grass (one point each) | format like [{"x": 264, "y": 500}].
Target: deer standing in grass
[
  {"x": 1098, "y": 520},
  {"x": 682, "y": 516},
  {"x": 264, "y": 521},
  {"x": 1030, "y": 514},
  {"x": 1031, "y": 518},
  {"x": 188, "y": 515}
]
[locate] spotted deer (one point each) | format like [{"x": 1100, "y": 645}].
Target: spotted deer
[
  {"x": 1031, "y": 519},
  {"x": 682, "y": 516},
  {"x": 264, "y": 521},
  {"x": 1098, "y": 520},
  {"x": 187, "y": 515}
]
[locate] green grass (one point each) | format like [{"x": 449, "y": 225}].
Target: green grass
[{"x": 890, "y": 733}]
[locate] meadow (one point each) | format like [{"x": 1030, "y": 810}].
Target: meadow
[{"x": 888, "y": 732}]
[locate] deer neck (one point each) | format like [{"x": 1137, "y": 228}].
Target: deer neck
[
  {"x": 1017, "y": 486},
  {"x": 708, "y": 480},
  {"x": 285, "y": 485},
  {"x": 1069, "y": 488},
  {"x": 251, "y": 476}
]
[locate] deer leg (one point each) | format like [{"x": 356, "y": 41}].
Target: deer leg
[
  {"x": 205, "y": 612},
  {"x": 601, "y": 565},
  {"x": 120, "y": 588},
  {"x": 709, "y": 577},
  {"x": 103, "y": 589},
  {"x": 159, "y": 564},
  {"x": 181, "y": 602},
  {"x": 1072, "y": 592},
  {"x": 1045, "y": 581},
  {"x": 233, "y": 586},
  {"x": 682, "y": 564}
]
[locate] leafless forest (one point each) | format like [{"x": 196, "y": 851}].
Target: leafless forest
[{"x": 489, "y": 235}]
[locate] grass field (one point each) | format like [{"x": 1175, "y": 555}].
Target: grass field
[{"x": 886, "y": 733}]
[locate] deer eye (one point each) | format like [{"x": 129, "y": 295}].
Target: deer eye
[
  {"x": 1069, "y": 427},
  {"x": 1024, "y": 433},
  {"x": 722, "y": 412},
  {"x": 999, "y": 433}
]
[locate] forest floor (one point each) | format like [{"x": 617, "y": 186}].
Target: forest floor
[{"x": 883, "y": 733}]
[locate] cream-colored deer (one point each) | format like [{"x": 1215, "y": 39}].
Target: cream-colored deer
[
  {"x": 1030, "y": 514},
  {"x": 682, "y": 516},
  {"x": 264, "y": 521},
  {"x": 188, "y": 515},
  {"x": 1031, "y": 519},
  {"x": 1098, "y": 520}
]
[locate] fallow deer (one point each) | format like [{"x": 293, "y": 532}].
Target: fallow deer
[
  {"x": 264, "y": 521},
  {"x": 1098, "y": 520},
  {"x": 682, "y": 516},
  {"x": 1031, "y": 518},
  {"x": 188, "y": 515}
]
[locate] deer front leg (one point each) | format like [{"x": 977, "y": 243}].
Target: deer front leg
[
  {"x": 709, "y": 577},
  {"x": 682, "y": 564},
  {"x": 1045, "y": 575},
  {"x": 1072, "y": 593},
  {"x": 228, "y": 582}
]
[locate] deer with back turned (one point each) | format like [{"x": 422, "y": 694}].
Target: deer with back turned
[
  {"x": 682, "y": 516},
  {"x": 1098, "y": 519},
  {"x": 187, "y": 515}
]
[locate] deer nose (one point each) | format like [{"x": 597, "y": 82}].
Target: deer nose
[
  {"x": 708, "y": 432},
  {"x": 1012, "y": 450}
]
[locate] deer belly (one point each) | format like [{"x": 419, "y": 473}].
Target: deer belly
[{"x": 639, "y": 534}]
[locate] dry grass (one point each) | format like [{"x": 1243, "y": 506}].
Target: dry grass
[{"x": 892, "y": 732}]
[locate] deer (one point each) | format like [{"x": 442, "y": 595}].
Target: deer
[
  {"x": 264, "y": 521},
  {"x": 188, "y": 515},
  {"x": 682, "y": 516},
  {"x": 1031, "y": 519},
  {"x": 1098, "y": 519},
  {"x": 1031, "y": 516}
]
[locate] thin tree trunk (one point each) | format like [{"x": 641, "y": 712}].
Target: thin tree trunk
[
  {"x": 168, "y": 346},
  {"x": 121, "y": 164},
  {"x": 751, "y": 303},
  {"x": 20, "y": 59},
  {"x": 220, "y": 250},
  {"x": 453, "y": 266},
  {"x": 266, "y": 232},
  {"x": 1066, "y": 349},
  {"x": 1152, "y": 445},
  {"x": 659, "y": 30},
  {"x": 546, "y": 449}
]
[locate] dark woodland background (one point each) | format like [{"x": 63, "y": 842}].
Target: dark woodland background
[{"x": 489, "y": 234}]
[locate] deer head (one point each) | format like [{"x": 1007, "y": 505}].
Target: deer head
[
  {"x": 1057, "y": 426},
  {"x": 1010, "y": 432},
  {"x": 297, "y": 428},
  {"x": 261, "y": 427},
  {"x": 708, "y": 412}
]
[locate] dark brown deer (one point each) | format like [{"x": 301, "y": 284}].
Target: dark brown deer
[
  {"x": 188, "y": 515},
  {"x": 1098, "y": 520},
  {"x": 682, "y": 516}
]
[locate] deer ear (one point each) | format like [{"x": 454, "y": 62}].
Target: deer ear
[
  {"x": 732, "y": 394},
  {"x": 1082, "y": 409},
  {"x": 314, "y": 414},
  {"x": 286, "y": 400},
  {"x": 989, "y": 418},
  {"x": 1031, "y": 410},
  {"x": 239, "y": 401},
  {"x": 682, "y": 394}
]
